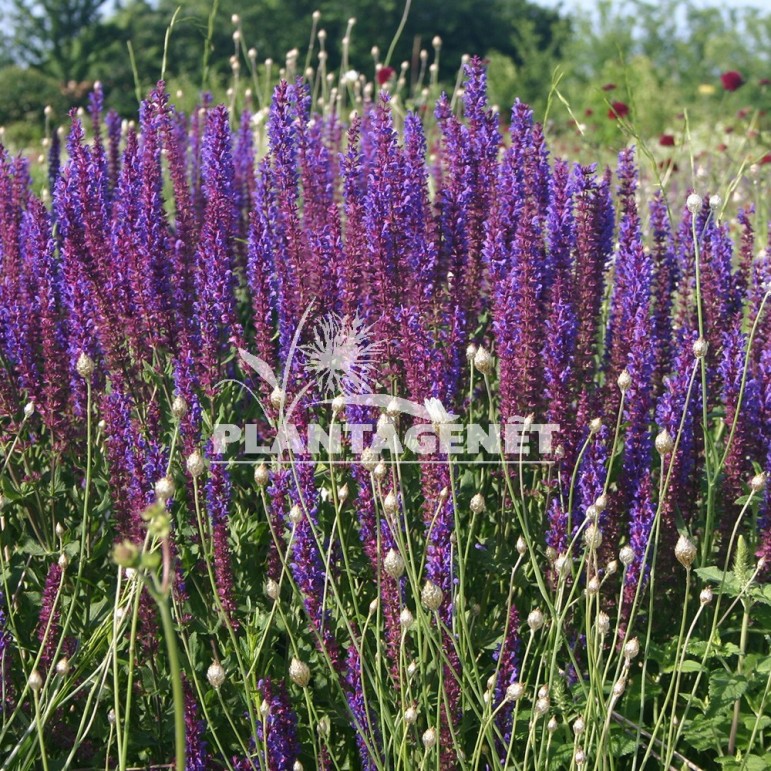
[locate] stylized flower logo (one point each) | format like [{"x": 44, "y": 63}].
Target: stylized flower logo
[{"x": 341, "y": 356}]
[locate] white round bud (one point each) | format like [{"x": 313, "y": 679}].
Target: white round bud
[
  {"x": 85, "y": 366},
  {"x": 410, "y": 715},
  {"x": 603, "y": 623},
  {"x": 35, "y": 681},
  {"x": 235, "y": 19},
  {"x": 593, "y": 586},
  {"x": 342, "y": 493},
  {"x": 394, "y": 564},
  {"x": 215, "y": 674},
  {"x": 758, "y": 483},
  {"x": 369, "y": 458},
  {"x": 272, "y": 589},
  {"x": 601, "y": 503},
  {"x": 63, "y": 667},
  {"x": 179, "y": 407},
  {"x": 431, "y": 596},
  {"x": 515, "y": 691},
  {"x": 579, "y": 756},
  {"x": 611, "y": 567},
  {"x": 552, "y": 725},
  {"x": 626, "y": 555},
  {"x": 694, "y": 203},
  {"x": 195, "y": 464},
  {"x": 412, "y": 669},
  {"x": 541, "y": 706},
  {"x": 477, "y": 504},
  {"x": 297, "y": 766},
  {"x": 406, "y": 619},
  {"x": 295, "y": 515},
  {"x": 685, "y": 551},
  {"x": 535, "y": 619},
  {"x": 483, "y": 361},
  {"x": 705, "y": 597},
  {"x": 60, "y": 529},
  {"x": 29, "y": 409},
  {"x": 595, "y": 424},
  {"x": 164, "y": 489},
  {"x": 471, "y": 352},
  {"x": 393, "y": 409},
  {"x": 429, "y": 738},
  {"x": 277, "y": 398},
  {"x": 261, "y": 475},
  {"x": 624, "y": 381},
  {"x": 381, "y": 471},
  {"x": 715, "y": 202},
  {"x": 373, "y": 607},
  {"x": 64, "y": 561},
  {"x": 579, "y": 726},
  {"x": 593, "y": 537},
  {"x": 618, "y": 687},
  {"x": 299, "y": 672},
  {"x": 631, "y": 648},
  {"x": 436, "y": 42},
  {"x": 664, "y": 443},
  {"x": 338, "y": 405},
  {"x": 521, "y": 546},
  {"x": 700, "y": 348},
  {"x": 562, "y": 565}
]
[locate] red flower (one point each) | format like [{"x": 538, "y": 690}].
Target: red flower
[
  {"x": 731, "y": 80},
  {"x": 618, "y": 110},
  {"x": 384, "y": 74},
  {"x": 764, "y": 82},
  {"x": 667, "y": 140},
  {"x": 609, "y": 87},
  {"x": 722, "y": 147},
  {"x": 765, "y": 159},
  {"x": 588, "y": 111}
]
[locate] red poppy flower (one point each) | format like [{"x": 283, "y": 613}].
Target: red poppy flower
[
  {"x": 667, "y": 140},
  {"x": 731, "y": 80},
  {"x": 765, "y": 159},
  {"x": 384, "y": 74},
  {"x": 618, "y": 110},
  {"x": 609, "y": 87}
]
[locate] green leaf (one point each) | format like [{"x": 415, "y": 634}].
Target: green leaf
[
  {"x": 725, "y": 688},
  {"x": 689, "y": 665}
]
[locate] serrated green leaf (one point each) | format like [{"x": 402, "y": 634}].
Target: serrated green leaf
[{"x": 725, "y": 688}]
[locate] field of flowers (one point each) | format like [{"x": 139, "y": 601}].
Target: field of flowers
[{"x": 542, "y": 537}]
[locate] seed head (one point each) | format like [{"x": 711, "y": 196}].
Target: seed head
[
  {"x": 664, "y": 443},
  {"x": 705, "y": 597},
  {"x": 369, "y": 458},
  {"x": 164, "y": 489},
  {"x": 603, "y": 623},
  {"x": 195, "y": 464},
  {"x": 624, "y": 381},
  {"x": 406, "y": 619},
  {"x": 535, "y": 619},
  {"x": 179, "y": 407},
  {"x": 299, "y": 672},
  {"x": 541, "y": 706},
  {"x": 593, "y": 586},
  {"x": 410, "y": 715},
  {"x": 483, "y": 361},
  {"x": 626, "y": 555},
  {"x": 261, "y": 475},
  {"x": 700, "y": 348},
  {"x": 432, "y": 596},
  {"x": 579, "y": 756},
  {"x": 215, "y": 674},
  {"x": 477, "y": 504},
  {"x": 394, "y": 564},
  {"x": 429, "y": 738},
  {"x": 685, "y": 551},
  {"x": 85, "y": 366},
  {"x": 562, "y": 564},
  {"x": 694, "y": 203}
]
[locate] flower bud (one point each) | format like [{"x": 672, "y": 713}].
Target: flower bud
[
  {"x": 261, "y": 475},
  {"x": 215, "y": 674},
  {"x": 595, "y": 424},
  {"x": 277, "y": 397},
  {"x": 705, "y": 597},
  {"x": 541, "y": 706},
  {"x": 515, "y": 691},
  {"x": 631, "y": 648},
  {"x": 369, "y": 458},
  {"x": 618, "y": 687},
  {"x": 431, "y": 596},
  {"x": 410, "y": 715},
  {"x": 393, "y": 409},
  {"x": 715, "y": 202},
  {"x": 471, "y": 351},
  {"x": 429, "y": 738},
  {"x": 390, "y": 504},
  {"x": 579, "y": 726},
  {"x": 552, "y": 725},
  {"x": 593, "y": 586},
  {"x": 272, "y": 589},
  {"x": 603, "y": 623},
  {"x": 685, "y": 551},
  {"x": 579, "y": 756},
  {"x": 164, "y": 489},
  {"x": 29, "y": 410},
  {"x": 406, "y": 619},
  {"x": 601, "y": 503},
  {"x": 297, "y": 766},
  {"x": 758, "y": 483},
  {"x": 394, "y": 564},
  {"x": 593, "y": 537},
  {"x": 381, "y": 471},
  {"x": 295, "y": 515},
  {"x": 483, "y": 361},
  {"x": 85, "y": 366},
  {"x": 324, "y": 727},
  {"x": 624, "y": 381},
  {"x": 195, "y": 464},
  {"x": 179, "y": 407},
  {"x": 694, "y": 203},
  {"x": 626, "y": 555},
  {"x": 299, "y": 673},
  {"x": 664, "y": 443},
  {"x": 338, "y": 405},
  {"x": 63, "y": 667},
  {"x": 35, "y": 681},
  {"x": 700, "y": 348},
  {"x": 412, "y": 668},
  {"x": 477, "y": 504},
  {"x": 521, "y": 546},
  {"x": 64, "y": 561},
  {"x": 535, "y": 620},
  {"x": 611, "y": 568}
]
